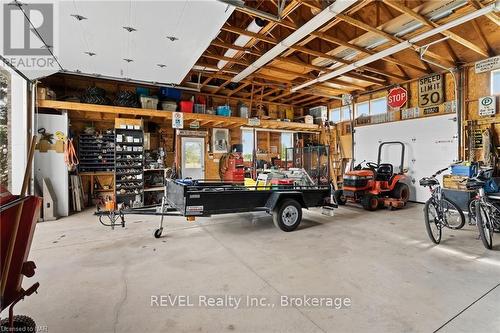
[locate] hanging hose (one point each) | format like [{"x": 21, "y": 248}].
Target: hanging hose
[{"x": 70, "y": 157}]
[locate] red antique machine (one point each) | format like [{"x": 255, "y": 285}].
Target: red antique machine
[
  {"x": 231, "y": 167},
  {"x": 18, "y": 216}
]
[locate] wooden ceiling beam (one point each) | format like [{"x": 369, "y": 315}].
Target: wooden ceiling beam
[
  {"x": 482, "y": 38},
  {"x": 236, "y": 47},
  {"x": 389, "y": 37},
  {"x": 244, "y": 32},
  {"x": 372, "y": 80},
  {"x": 491, "y": 16},
  {"x": 286, "y": 93},
  {"x": 241, "y": 87},
  {"x": 390, "y": 59},
  {"x": 347, "y": 62},
  {"x": 272, "y": 91},
  {"x": 253, "y": 13},
  {"x": 453, "y": 36},
  {"x": 228, "y": 59},
  {"x": 318, "y": 101}
]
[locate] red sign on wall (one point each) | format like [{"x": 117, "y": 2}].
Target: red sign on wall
[{"x": 397, "y": 97}]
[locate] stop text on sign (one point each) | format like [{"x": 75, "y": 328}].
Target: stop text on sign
[{"x": 397, "y": 97}]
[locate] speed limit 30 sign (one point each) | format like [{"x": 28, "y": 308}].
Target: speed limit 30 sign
[{"x": 430, "y": 90}]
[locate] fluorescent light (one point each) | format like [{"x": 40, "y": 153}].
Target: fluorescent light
[
  {"x": 399, "y": 47},
  {"x": 317, "y": 21}
]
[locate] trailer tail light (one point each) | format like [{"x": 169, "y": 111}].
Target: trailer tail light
[{"x": 190, "y": 218}]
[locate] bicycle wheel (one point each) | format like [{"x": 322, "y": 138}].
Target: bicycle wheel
[
  {"x": 472, "y": 211},
  {"x": 432, "y": 223},
  {"x": 484, "y": 226},
  {"x": 453, "y": 216}
]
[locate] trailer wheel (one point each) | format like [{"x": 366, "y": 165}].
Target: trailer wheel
[
  {"x": 369, "y": 202},
  {"x": 158, "y": 232},
  {"x": 340, "y": 197},
  {"x": 21, "y": 324},
  {"x": 288, "y": 215}
]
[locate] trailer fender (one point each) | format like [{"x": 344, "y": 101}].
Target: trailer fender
[{"x": 276, "y": 197}]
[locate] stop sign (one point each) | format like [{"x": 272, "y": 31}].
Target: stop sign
[{"x": 397, "y": 97}]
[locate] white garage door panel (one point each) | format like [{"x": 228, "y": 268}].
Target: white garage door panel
[{"x": 430, "y": 144}]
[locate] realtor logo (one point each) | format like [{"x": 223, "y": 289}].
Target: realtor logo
[{"x": 28, "y": 29}]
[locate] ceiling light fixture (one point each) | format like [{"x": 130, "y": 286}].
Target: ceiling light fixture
[
  {"x": 401, "y": 46},
  {"x": 313, "y": 24}
]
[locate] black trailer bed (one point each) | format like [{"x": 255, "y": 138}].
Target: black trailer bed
[{"x": 205, "y": 198}]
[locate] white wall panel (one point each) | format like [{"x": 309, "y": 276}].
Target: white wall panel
[
  {"x": 51, "y": 164},
  {"x": 431, "y": 144}
]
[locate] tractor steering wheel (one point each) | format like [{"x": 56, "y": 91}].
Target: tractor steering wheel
[{"x": 372, "y": 165}]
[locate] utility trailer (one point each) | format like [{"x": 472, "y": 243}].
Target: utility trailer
[{"x": 206, "y": 198}]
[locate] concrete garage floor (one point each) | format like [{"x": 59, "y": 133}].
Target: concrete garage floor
[{"x": 94, "y": 279}]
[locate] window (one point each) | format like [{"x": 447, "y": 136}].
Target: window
[
  {"x": 362, "y": 109},
  {"x": 335, "y": 115},
  {"x": 286, "y": 142},
  {"x": 371, "y": 107},
  {"x": 346, "y": 112},
  {"x": 248, "y": 142},
  {"x": 340, "y": 114},
  {"x": 378, "y": 106},
  {"x": 495, "y": 82},
  {"x": 5, "y": 165}
]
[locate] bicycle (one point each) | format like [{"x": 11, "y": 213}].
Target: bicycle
[
  {"x": 486, "y": 208},
  {"x": 440, "y": 211}
]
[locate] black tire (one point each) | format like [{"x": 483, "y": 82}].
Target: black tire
[
  {"x": 370, "y": 202},
  {"x": 401, "y": 191},
  {"x": 453, "y": 222},
  {"x": 471, "y": 206},
  {"x": 339, "y": 197},
  {"x": 287, "y": 215},
  {"x": 158, "y": 232},
  {"x": 484, "y": 224},
  {"x": 21, "y": 324},
  {"x": 432, "y": 223}
]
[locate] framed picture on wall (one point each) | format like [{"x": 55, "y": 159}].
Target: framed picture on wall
[{"x": 220, "y": 140}]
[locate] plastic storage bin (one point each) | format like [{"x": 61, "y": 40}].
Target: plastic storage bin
[
  {"x": 199, "y": 108},
  {"x": 141, "y": 91},
  {"x": 149, "y": 102},
  {"x": 224, "y": 110},
  {"x": 169, "y": 106},
  {"x": 464, "y": 170},
  {"x": 170, "y": 93},
  {"x": 186, "y": 106}
]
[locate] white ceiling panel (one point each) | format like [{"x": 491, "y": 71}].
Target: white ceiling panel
[{"x": 194, "y": 23}]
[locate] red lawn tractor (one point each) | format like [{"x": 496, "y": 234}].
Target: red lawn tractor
[{"x": 376, "y": 185}]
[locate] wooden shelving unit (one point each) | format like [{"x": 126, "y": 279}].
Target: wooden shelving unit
[{"x": 204, "y": 119}]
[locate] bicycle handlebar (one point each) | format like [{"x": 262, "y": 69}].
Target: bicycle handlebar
[{"x": 439, "y": 172}]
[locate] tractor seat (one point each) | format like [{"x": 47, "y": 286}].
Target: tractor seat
[{"x": 384, "y": 172}]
